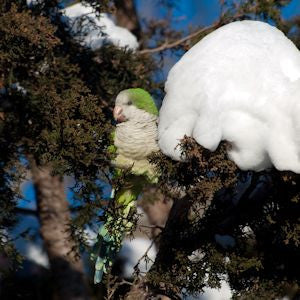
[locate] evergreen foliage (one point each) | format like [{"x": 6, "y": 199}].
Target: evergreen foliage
[
  {"x": 56, "y": 102},
  {"x": 260, "y": 211},
  {"x": 56, "y": 98}
]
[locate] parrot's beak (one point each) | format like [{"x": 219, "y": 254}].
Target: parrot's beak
[{"x": 117, "y": 113}]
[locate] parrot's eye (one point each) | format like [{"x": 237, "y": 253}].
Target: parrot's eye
[{"x": 129, "y": 102}]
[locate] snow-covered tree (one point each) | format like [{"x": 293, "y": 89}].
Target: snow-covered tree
[{"x": 59, "y": 76}]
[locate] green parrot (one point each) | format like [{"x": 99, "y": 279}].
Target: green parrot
[{"x": 135, "y": 137}]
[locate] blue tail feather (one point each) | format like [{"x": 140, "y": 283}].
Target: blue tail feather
[{"x": 105, "y": 252}]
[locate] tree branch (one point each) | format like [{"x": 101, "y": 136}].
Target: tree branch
[
  {"x": 26, "y": 211},
  {"x": 169, "y": 45},
  {"x": 127, "y": 17},
  {"x": 55, "y": 218}
]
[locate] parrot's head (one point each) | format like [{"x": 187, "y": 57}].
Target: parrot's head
[{"x": 132, "y": 103}]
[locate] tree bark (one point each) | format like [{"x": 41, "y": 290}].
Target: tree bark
[
  {"x": 127, "y": 17},
  {"x": 55, "y": 218}
]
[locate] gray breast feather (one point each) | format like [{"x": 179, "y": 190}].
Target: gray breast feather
[{"x": 136, "y": 140}]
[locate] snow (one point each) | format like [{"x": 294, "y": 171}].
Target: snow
[
  {"x": 31, "y": 3},
  {"x": 32, "y": 249},
  {"x": 19, "y": 88},
  {"x": 132, "y": 251},
  {"x": 90, "y": 236},
  {"x": 241, "y": 84},
  {"x": 36, "y": 254},
  {"x": 97, "y": 30},
  {"x": 224, "y": 293}
]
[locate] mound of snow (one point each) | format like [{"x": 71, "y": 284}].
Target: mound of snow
[
  {"x": 96, "y": 30},
  {"x": 241, "y": 84}
]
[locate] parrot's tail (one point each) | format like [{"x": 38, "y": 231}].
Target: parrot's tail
[
  {"x": 104, "y": 253},
  {"x": 119, "y": 222},
  {"x": 109, "y": 240}
]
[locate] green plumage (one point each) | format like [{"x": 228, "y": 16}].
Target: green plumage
[
  {"x": 137, "y": 135},
  {"x": 143, "y": 100},
  {"x": 117, "y": 225}
]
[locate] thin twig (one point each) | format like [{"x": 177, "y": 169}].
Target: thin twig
[
  {"x": 26, "y": 211},
  {"x": 168, "y": 45},
  {"x": 145, "y": 255},
  {"x": 152, "y": 226}
]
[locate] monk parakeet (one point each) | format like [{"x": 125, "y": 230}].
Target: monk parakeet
[{"x": 135, "y": 137}]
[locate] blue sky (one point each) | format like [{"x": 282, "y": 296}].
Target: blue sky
[
  {"x": 292, "y": 9},
  {"x": 197, "y": 12}
]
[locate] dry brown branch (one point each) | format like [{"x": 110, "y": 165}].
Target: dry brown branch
[
  {"x": 145, "y": 256},
  {"x": 116, "y": 285},
  {"x": 152, "y": 227},
  {"x": 55, "y": 217},
  {"x": 169, "y": 45}
]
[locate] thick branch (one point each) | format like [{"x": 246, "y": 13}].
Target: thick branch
[
  {"x": 55, "y": 218},
  {"x": 127, "y": 17}
]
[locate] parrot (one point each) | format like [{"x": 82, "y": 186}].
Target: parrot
[{"x": 135, "y": 138}]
